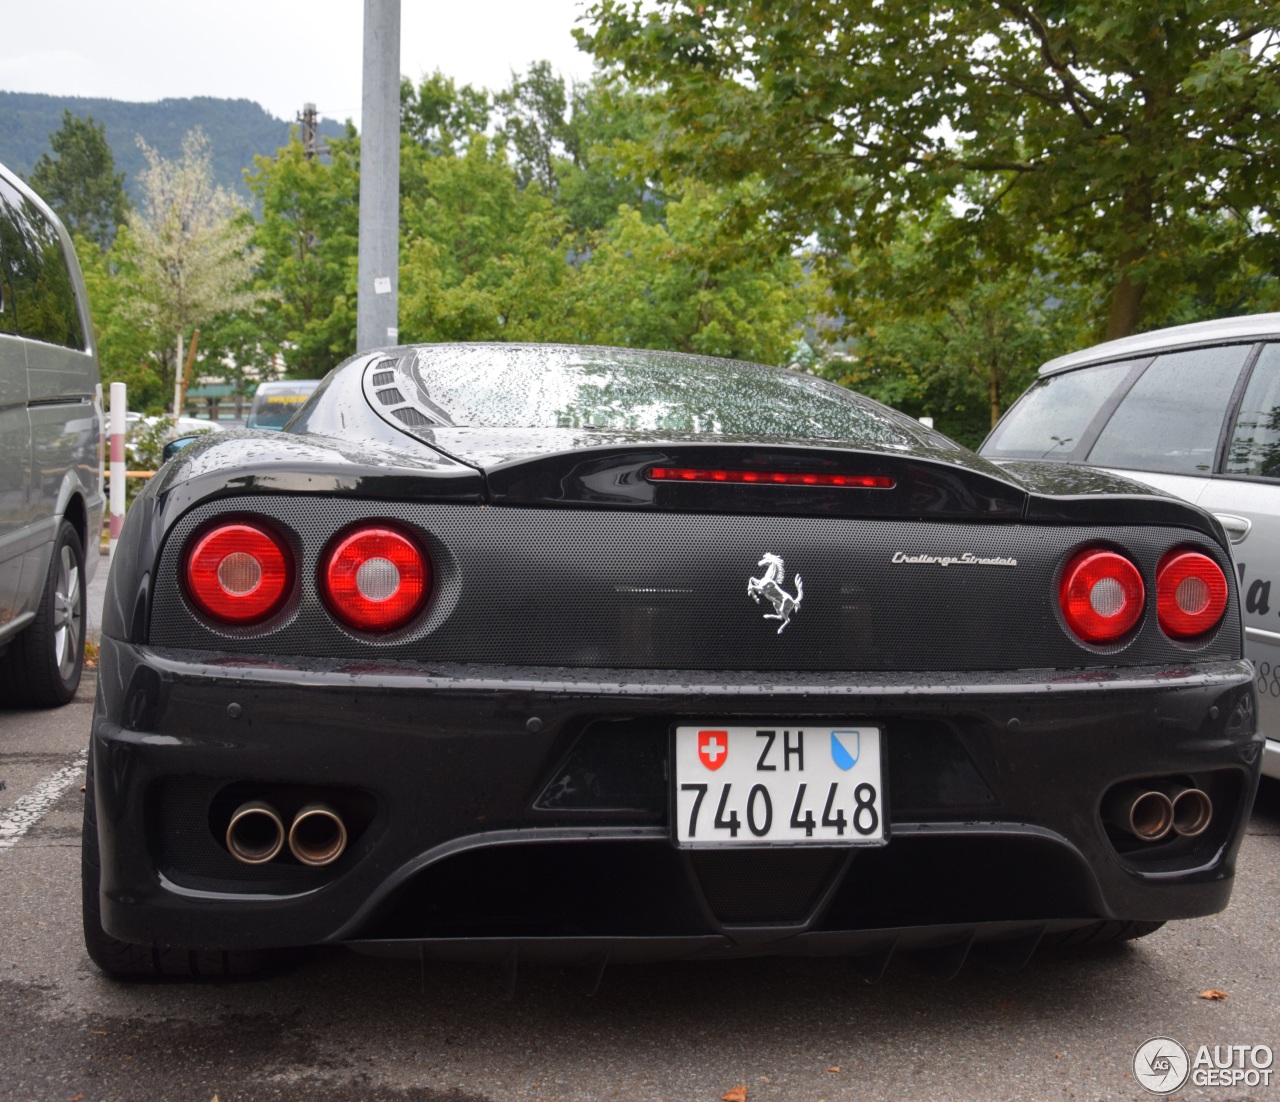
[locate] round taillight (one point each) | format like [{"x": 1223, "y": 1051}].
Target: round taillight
[
  {"x": 375, "y": 579},
  {"x": 238, "y": 573},
  {"x": 1191, "y": 594},
  {"x": 1101, "y": 595}
]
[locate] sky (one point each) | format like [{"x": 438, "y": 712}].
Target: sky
[{"x": 280, "y": 53}]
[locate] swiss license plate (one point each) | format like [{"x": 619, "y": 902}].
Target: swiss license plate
[{"x": 785, "y": 783}]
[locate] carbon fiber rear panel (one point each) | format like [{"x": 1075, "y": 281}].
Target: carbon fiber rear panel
[{"x": 617, "y": 589}]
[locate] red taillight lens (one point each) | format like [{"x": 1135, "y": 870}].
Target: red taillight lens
[
  {"x": 375, "y": 579},
  {"x": 1101, "y": 595},
  {"x": 1191, "y": 594},
  {"x": 239, "y": 573},
  {"x": 771, "y": 478}
]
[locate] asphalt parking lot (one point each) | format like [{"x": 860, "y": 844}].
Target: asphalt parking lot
[{"x": 340, "y": 1026}]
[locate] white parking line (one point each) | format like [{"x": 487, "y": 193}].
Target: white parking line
[{"x": 30, "y": 809}]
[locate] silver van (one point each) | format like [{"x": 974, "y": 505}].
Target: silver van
[
  {"x": 1195, "y": 411},
  {"x": 51, "y": 485}
]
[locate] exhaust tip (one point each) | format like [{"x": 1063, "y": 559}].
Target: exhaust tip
[
  {"x": 255, "y": 834},
  {"x": 1151, "y": 816},
  {"x": 318, "y": 835},
  {"x": 1192, "y": 812},
  {"x": 1145, "y": 813}
]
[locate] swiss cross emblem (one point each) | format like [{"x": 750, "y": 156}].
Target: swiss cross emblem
[{"x": 713, "y": 748}]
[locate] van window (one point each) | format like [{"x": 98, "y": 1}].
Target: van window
[
  {"x": 38, "y": 287},
  {"x": 1171, "y": 419},
  {"x": 1255, "y": 444},
  {"x": 273, "y": 406},
  {"x": 8, "y": 236},
  {"x": 1050, "y": 419}
]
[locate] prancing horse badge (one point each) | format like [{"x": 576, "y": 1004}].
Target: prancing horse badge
[{"x": 769, "y": 586}]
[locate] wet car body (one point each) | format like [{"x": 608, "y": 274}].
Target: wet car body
[{"x": 507, "y": 765}]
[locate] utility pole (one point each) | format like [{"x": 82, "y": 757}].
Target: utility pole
[
  {"x": 377, "y": 294},
  {"x": 308, "y": 121}
]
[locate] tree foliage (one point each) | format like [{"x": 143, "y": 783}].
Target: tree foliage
[
  {"x": 1121, "y": 130},
  {"x": 534, "y": 121},
  {"x": 686, "y": 284},
  {"x": 952, "y": 333},
  {"x": 480, "y": 257},
  {"x": 186, "y": 247},
  {"x": 438, "y": 113},
  {"x": 126, "y": 346},
  {"x": 79, "y": 180},
  {"x": 306, "y": 243},
  {"x": 538, "y": 233},
  {"x": 522, "y": 218}
]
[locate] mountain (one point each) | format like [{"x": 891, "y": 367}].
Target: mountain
[{"x": 237, "y": 129}]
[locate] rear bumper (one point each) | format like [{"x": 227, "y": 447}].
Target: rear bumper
[{"x": 481, "y": 831}]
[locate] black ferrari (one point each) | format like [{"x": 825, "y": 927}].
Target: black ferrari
[{"x": 517, "y": 653}]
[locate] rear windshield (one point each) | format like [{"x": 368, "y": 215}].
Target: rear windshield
[
  {"x": 504, "y": 386},
  {"x": 272, "y": 410}
]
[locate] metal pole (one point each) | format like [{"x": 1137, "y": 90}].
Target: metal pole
[
  {"x": 177, "y": 388},
  {"x": 377, "y": 294},
  {"x": 116, "y": 490}
]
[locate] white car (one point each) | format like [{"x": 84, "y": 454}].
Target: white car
[{"x": 1194, "y": 411}]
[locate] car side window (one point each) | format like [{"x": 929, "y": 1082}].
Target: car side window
[
  {"x": 1051, "y": 418},
  {"x": 1255, "y": 441},
  {"x": 39, "y": 291},
  {"x": 8, "y": 242},
  {"x": 1171, "y": 419}
]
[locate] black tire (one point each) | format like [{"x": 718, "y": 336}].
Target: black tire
[
  {"x": 1100, "y": 933},
  {"x": 123, "y": 960},
  {"x": 43, "y": 665}
]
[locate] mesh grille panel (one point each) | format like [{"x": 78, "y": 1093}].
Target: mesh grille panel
[{"x": 613, "y": 589}]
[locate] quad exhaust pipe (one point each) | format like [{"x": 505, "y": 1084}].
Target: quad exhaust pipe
[
  {"x": 256, "y": 834},
  {"x": 1151, "y": 813},
  {"x": 1192, "y": 810},
  {"x": 318, "y": 835}
]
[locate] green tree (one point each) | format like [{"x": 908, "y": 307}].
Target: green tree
[
  {"x": 1116, "y": 129},
  {"x": 534, "y": 112},
  {"x": 687, "y": 285},
  {"x": 481, "y": 258},
  {"x": 186, "y": 249},
  {"x": 439, "y": 114},
  {"x": 541, "y": 232},
  {"x": 940, "y": 328},
  {"x": 609, "y": 123},
  {"x": 307, "y": 242},
  {"x": 126, "y": 345},
  {"x": 79, "y": 180},
  {"x": 1221, "y": 272}
]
